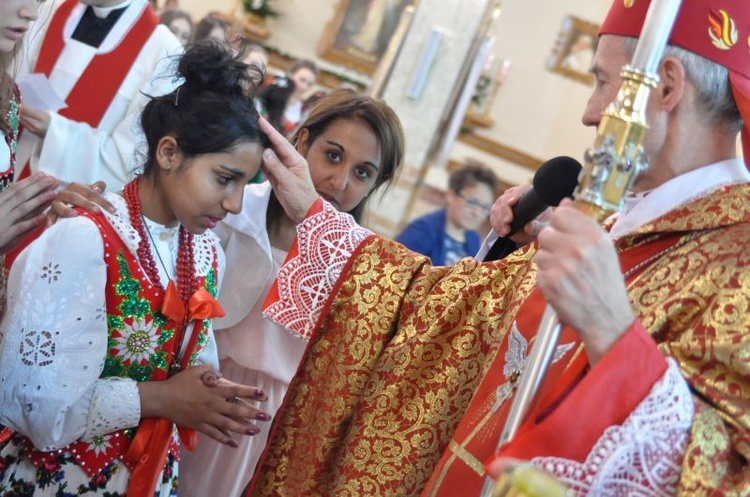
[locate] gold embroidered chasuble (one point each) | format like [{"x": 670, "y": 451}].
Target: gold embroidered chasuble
[
  {"x": 401, "y": 347},
  {"x": 389, "y": 378}
]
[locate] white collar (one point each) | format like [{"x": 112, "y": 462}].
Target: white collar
[
  {"x": 640, "y": 209},
  {"x": 102, "y": 12},
  {"x": 133, "y": 11}
]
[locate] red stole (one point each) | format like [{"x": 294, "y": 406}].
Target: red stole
[
  {"x": 570, "y": 414},
  {"x": 96, "y": 88},
  {"x": 94, "y": 91}
]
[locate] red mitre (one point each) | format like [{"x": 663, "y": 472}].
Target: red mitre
[{"x": 718, "y": 30}]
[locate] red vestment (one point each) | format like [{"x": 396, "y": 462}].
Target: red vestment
[{"x": 400, "y": 348}]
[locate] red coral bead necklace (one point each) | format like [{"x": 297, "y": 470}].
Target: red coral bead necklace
[{"x": 187, "y": 278}]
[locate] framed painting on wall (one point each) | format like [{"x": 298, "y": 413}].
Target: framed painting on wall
[
  {"x": 574, "y": 50},
  {"x": 360, "y": 31}
]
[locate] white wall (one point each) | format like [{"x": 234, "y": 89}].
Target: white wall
[{"x": 538, "y": 111}]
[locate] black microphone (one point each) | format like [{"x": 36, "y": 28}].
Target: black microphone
[{"x": 553, "y": 181}]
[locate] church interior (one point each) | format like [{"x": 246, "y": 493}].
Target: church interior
[{"x": 526, "y": 99}]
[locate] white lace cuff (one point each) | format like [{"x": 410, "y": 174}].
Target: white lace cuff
[
  {"x": 115, "y": 405},
  {"x": 641, "y": 457},
  {"x": 325, "y": 243}
]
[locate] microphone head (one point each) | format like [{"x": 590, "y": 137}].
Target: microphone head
[{"x": 556, "y": 179}]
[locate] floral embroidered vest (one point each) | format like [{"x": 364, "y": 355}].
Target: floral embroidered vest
[{"x": 141, "y": 345}]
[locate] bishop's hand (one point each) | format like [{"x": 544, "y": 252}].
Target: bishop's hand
[{"x": 288, "y": 173}]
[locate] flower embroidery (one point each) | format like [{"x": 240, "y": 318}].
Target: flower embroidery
[
  {"x": 137, "y": 341},
  {"x": 51, "y": 272},
  {"x": 99, "y": 444},
  {"x": 37, "y": 348}
]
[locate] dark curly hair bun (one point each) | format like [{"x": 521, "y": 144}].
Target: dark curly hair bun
[
  {"x": 211, "y": 66},
  {"x": 212, "y": 110}
]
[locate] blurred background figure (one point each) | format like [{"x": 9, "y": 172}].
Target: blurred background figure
[
  {"x": 449, "y": 234},
  {"x": 255, "y": 55},
  {"x": 168, "y": 5},
  {"x": 309, "y": 102},
  {"x": 180, "y": 23},
  {"x": 304, "y": 73},
  {"x": 214, "y": 25},
  {"x": 171, "y": 5},
  {"x": 275, "y": 98},
  {"x": 93, "y": 137}
]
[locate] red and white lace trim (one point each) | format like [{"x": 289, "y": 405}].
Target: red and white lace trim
[
  {"x": 325, "y": 242},
  {"x": 643, "y": 456}
]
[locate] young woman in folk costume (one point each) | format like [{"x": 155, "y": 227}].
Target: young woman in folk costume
[
  {"x": 22, "y": 203},
  {"x": 354, "y": 145},
  {"x": 107, "y": 348}
]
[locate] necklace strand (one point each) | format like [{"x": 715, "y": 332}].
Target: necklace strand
[
  {"x": 680, "y": 243},
  {"x": 153, "y": 243},
  {"x": 186, "y": 277}
]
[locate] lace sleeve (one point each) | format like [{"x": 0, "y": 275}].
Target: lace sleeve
[
  {"x": 115, "y": 405},
  {"x": 54, "y": 335},
  {"x": 325, "y": 242},
  {"x": 644, "y": 455}
]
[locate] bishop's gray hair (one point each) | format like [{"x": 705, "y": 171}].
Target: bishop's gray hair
[{"x": 711, "y": 81}]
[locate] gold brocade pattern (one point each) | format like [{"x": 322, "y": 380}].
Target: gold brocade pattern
[
  {"x": 394, "y": 364},
  {"x": 372, "y": 409},
  {"x": 696, "y": 304}
]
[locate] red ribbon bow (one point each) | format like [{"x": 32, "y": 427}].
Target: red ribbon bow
[
  {"x": 201, "y": 305},
  {"x": 148, "y": 450}
]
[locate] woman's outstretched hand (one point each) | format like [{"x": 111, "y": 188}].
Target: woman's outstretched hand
[
  {"x": 288, "y": 173},
  {"x": 87, "y": 197},
  {"x": 199, "y": 398},
  {"x": 22, "y": 208}
]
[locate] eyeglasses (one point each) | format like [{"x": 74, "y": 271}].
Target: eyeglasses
[{"x": 475, "y": 204}]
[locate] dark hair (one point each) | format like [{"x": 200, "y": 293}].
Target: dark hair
[
  {"x": 471, "y": 174},
  {"x": 211, "y": 112},
  {"x": 348, "y": 104},
  {"x": 310, "y": 101},
  {"x": 275, "y": 97},
  {"x": 304, "y": 64},
  {"x": 208, "y": 23}
]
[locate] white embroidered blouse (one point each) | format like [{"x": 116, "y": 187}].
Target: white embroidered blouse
[{"x": 54, "y": 336}]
